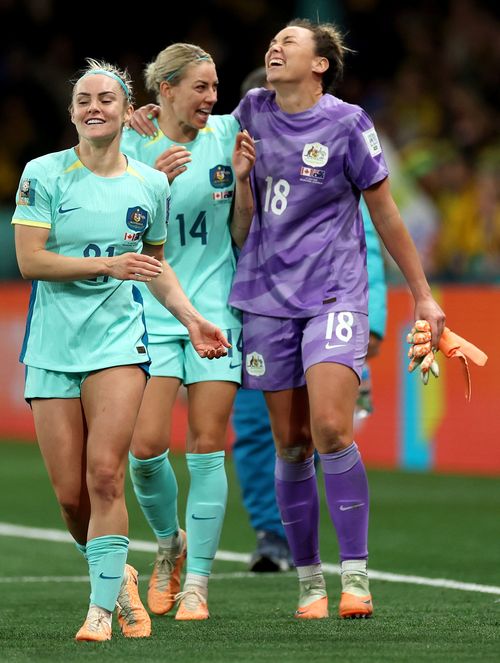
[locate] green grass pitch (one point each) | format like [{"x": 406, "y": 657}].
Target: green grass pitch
[{"x": 424, "y": 527}]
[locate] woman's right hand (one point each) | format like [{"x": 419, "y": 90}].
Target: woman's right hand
[
  {"x": 141, "y": 120},
  {"x": 133, "y": 267},
  {"x": 173, "y": 161}
]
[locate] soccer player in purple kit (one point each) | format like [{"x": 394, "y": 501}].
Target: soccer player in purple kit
[{"x": 301, "y": 282}]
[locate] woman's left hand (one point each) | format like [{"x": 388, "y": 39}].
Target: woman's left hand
[{"x": 243, "y": 155}]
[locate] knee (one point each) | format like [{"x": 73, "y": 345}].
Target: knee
[
  {"x": 145, "y": 447},
  {"x": 105, "y": 483},
  {"x": 330, "y": 435}
]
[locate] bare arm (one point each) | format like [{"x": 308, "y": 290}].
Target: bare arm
[
  {"x": 389, "y": 224},
  {"x": 207, "y": 339},
  {"x": 36, "y": 262},
  {"x": 243, "y": 161}
]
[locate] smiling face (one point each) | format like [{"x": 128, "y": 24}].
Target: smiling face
[
  {"x": 99, "y": 108},
  {"x": 291, "y": 56},
  {"x": 192, "y": 99}
]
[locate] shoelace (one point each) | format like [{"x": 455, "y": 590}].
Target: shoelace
[
  {"x": 164, "y": 568},
  {"x": 123, "y": 603},
  {"x": 96, "y": 620},
  {"x": 191, "y": 597}
]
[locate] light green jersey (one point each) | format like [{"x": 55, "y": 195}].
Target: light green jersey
[
  {"x": 199, "y": 243},
  {"x": 76, "y": 326}
]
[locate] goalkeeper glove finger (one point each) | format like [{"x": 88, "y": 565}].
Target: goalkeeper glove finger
[{"x": 428, "y": 365}]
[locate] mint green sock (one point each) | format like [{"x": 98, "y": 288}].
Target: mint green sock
[
  {"x": 107, "y": 556},
  {"x": 206, "y": 506},
  {"x": 155, "y": 487}
]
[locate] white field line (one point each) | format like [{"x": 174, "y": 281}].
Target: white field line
[{"x": 40, "y": 534}]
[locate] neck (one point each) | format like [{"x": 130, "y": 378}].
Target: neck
[
  {"x": 104, "y": 160},
  {"x": 296, "y": 99},
  {"x": 175, "y": 129}
]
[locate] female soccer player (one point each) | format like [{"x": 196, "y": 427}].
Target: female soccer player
[
  {"x": 83, "y": 216},
  {"x": 208, "y": 161},
  {"x": 301, "y": 282}
]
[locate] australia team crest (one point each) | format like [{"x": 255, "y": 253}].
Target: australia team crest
[
  {"x": 137, "y": 219},
  {"x": 255, "y": 364},
  {"x": 315, "y": 155},
  {"x": 221, "y": 176}
]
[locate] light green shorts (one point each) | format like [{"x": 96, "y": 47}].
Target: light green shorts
[
  {"x": 42, "y": 383},
  {"x": 175, "y": 357}
]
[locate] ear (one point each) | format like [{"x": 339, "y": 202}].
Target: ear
[
  {"x": 320, "y": 65},
  {"x": 165, "y": 89},
  {"x": 129, "y": 111}
]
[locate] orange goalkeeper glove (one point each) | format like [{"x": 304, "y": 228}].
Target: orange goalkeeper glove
[
  {"x": 421, "y": 353},
  {"x": 451, "y": 345}
]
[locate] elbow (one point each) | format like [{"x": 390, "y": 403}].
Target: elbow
[
  {"x": 24, "y": 274},
  {"x": 26, "y": 271}
]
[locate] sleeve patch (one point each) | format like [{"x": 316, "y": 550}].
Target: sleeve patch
[
  {"x": 27, "y": 192},
  {"x": 372, "y": 142}
]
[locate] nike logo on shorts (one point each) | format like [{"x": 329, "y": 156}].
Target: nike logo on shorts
[{"x": 331, "y": 346}]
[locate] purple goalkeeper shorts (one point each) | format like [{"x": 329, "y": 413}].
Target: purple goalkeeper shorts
[{"x": 278, "y": 351}]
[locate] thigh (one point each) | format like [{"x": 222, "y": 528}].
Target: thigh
[
  {"x": 226, "y": 368},
  {"x": 333, "y": 391},
  {"x": 111, "y": 399},
  {"x": 272, "y": 353},
  {"x": 60, "y": 430},
  {"x": 151, "y": 435},
  {"x": 209, "y": 408}
]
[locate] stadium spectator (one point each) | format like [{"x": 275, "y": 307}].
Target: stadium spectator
[
  {"x": 83, "y": 216},
  {"x": 302, "y": 279},
  {"x": 207, "y": 160}
]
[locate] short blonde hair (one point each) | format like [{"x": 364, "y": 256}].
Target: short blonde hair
[
  {"x": 170, "y": 65},
  {"x": 121, "y": 76}
]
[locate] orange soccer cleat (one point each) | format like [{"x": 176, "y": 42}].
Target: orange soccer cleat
[
  {"x": 192, "y": 606},
  {"x": 165, "y": 581},
  {"x": 132, "y": 615},
  {"x": 96, "y": 627},
  {"x": 313, "y": 600}
]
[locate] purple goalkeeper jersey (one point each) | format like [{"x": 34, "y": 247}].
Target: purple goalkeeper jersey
[{"x": 306, "y": 252}]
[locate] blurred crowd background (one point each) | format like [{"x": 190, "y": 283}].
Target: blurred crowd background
[{"x": 427, "y": 71}]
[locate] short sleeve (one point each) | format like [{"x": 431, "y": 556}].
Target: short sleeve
[
  {"x": 33, "y": 200},
  {"x": 157, "y": 230},
  {"x": 365, "y": 163}
]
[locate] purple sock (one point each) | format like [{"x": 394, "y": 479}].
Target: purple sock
[
  {"x": 297, "y": 498},
  {"x": 348, "y": 500}
]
